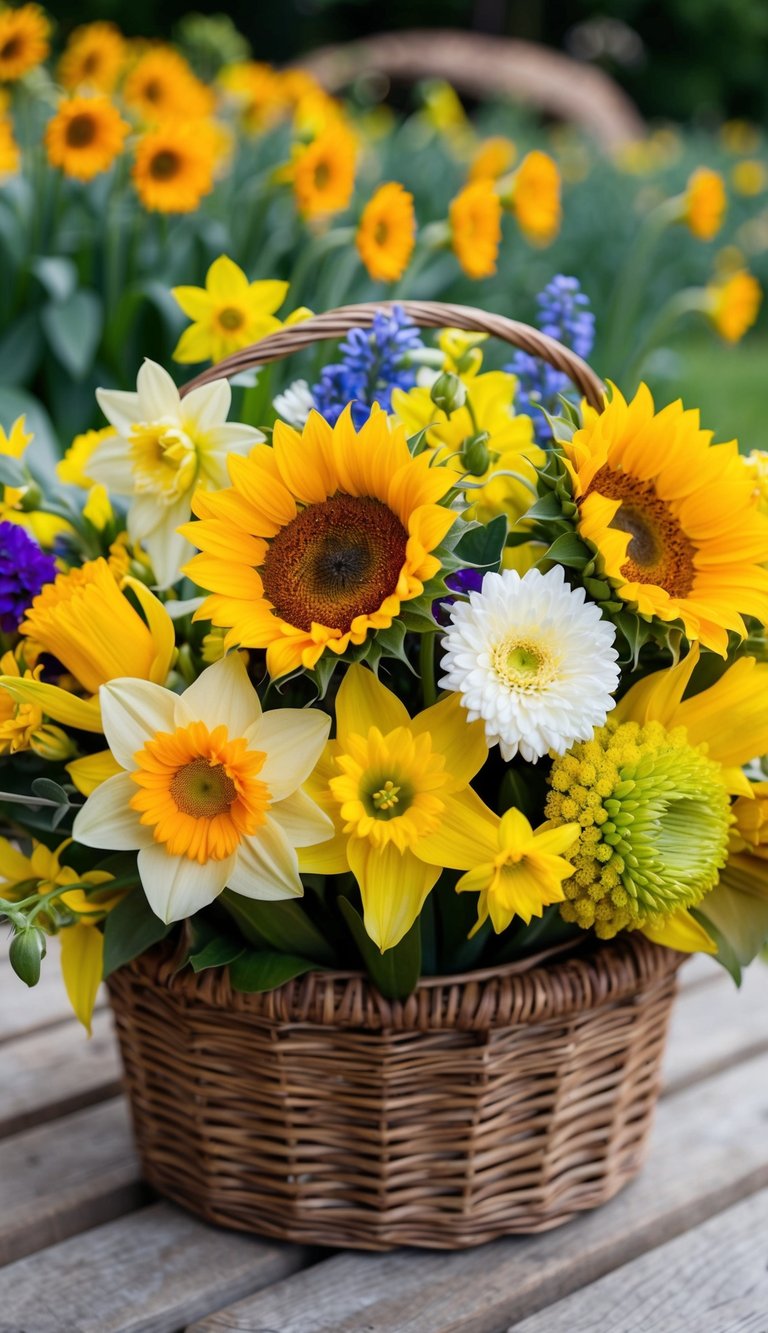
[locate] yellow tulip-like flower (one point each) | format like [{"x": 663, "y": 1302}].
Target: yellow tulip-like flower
[
  {"x": 321, "y": 538},
  {"x": 86, "y": 622},
  {"x": 398, "y": 792},
  {"x": 733, "y": 304},
  {"x": 533, "y": 195},
  {"x": 162, "y": 86},
  {"x": 82, "y": 944},
  {"x": 229, "y": 312},
  {"x": 323, "y": 172},
  {"x": 10, "y": 156},
  {"x": 516, "y": 870},
  {"x": 492, "y": 159},
  {"x": 651, "y": 791},
  {"x": 704, "y": 203},
  {"x": 174, "y": 166},
  {"x": 24, "y": 34},
  {"x": 475, "y": 223},
  {"x": 85, "y": 136},
  {"x": 93, "y": 57},
  {"x": 670, "y": 517},
  {"x": 387, "y": 232},
  {"x": 509, "y": 436}
]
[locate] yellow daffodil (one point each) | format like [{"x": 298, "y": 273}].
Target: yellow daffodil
[
  {"x": 229, "y": 312},
  {"x": 72, "y": 469},
  {"x": 45, "y": 528},
  {"x": 398, "y": 792},
  {"x": 732, "y": 304}
]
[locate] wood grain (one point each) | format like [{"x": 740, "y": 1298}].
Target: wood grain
[
  {"x": 709, "y": 1150},
  {"x": 715, "y": 1028},
  {"x": 153, "y": 1272},
  {"x": 64, "y": 1177},
  {"x": 57, "y": 1070},
  {"x": 714, "y": 1279}
]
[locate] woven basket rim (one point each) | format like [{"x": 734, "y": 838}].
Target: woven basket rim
[{"x": 600, "y": 973}]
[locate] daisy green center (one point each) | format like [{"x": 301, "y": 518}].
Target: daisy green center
[
  {"x": 523, "y": 664},
  {"x": 390, "y": 800}
]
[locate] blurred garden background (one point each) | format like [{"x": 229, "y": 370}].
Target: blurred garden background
[{"x": 140, "y": 143}]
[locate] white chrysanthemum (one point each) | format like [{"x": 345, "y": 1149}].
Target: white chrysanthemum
[
  {"x": 294, "y": 406},
  {"x": 534, "y": 660}
]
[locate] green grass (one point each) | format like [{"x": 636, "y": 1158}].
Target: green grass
[{"x": 728, "y": 384}]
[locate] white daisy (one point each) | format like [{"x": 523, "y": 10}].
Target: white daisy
[
  {"x": 164, "y": 449},
  {"x": 294, "y": 406},
  {"x": 534, "y": 659},
  {"x": 211, "y": 792}
]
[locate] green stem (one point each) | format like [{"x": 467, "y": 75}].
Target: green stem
[
  {"x": 629, "y": 290},
  {"x": 427, "y": 668},
  {"x": 691, "y": 300}
]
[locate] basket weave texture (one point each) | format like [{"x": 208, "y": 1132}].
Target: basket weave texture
[{"x": 485, "y": 1105}]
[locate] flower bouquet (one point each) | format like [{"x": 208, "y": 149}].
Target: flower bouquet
[{"x": 387, "y": 760}]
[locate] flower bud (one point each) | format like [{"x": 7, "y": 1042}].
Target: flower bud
[
  {"x": 26, "y": 953},
  {"x": 475, "y": 454},
  {"x": 52, "y": 743},
  {"x": 448, "y": 393}
]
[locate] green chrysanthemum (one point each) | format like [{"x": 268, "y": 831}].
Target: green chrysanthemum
[{"x": 655, "y": 815}]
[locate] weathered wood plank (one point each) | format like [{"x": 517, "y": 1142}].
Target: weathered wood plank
[
  {"x": 61, "y": 1178},
  {"x": 679, "y": 1287},
  {"x": 153, "y": 1272},
  {"x": 716, "y": 1027},
  {"x": 26, "y": 1008},
  {"x": 55, "y": 1071},
  {"x": 709, "y": 1151}
]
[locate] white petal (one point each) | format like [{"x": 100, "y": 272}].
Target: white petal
[
  {"x": 267, "y": 866},
  {"x": 233, "y": 435},
  {"x": 206, "y": 407},
  {"x": 120, "y": 408},
  {"x": 221, "y": 696},
  {"x": 158, "y": 395},
  {"x": 166, "y": 547},
  {"x": 293, "y": 740},
  {"x": 144, "y": 516},
  {"x": 302, "y": 820},
  {"x": 133, "y": 711},
  {"x": 110, "y": 463},
  {"x": 107, "y": 820},
  {"x": 177, "y": 887}
]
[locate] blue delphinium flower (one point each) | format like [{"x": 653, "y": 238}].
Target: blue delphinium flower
[
  {"x": 461, "y": 581},
  {"x": 563, "y": 313},
  {"x": 24, "y": 569},
  {"x": 373, "y": 364}
]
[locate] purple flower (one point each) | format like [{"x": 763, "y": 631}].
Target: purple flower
[
  {"x": 564, "y": 314},
  {"x": 462, "y": 581},
  {"x": 24, "y": 570},
  {"x": 373, "y": 364}
]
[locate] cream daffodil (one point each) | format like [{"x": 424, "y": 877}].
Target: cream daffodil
[
  {"x": 210, "y": 789},
  {"x": 397, "y": 789},
  {"x": 164, "y": 449}
]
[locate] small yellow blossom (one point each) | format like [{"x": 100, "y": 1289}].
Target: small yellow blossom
[
  {"x": 72, "y": 468},
  {"x": 704, "y": 203},
  {"x": 229, "y": 312},
  {"x": 733, "y": 304}
]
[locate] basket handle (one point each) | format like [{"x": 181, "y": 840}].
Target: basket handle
[{"x": 426, "y": 315}]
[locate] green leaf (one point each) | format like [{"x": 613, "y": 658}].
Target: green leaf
[
  {"x": 482, "y": 545},
  {"x": 570, "y": 550},
  {"x": 129, "y": 930},
  {"x": 21, "y": 348},
  {"x": 396, "y": 972},
  {"x": 58, "y": 276},
  {"x": 548, "y": 507},
  {"x": 218, "y": 952},
  {"x": 45, "y": 450},
  {"x": 11, "y": 473},
  {"x": 284, "y": 926},
  {"x": 73, "y": 329},
  {"x": 736, "y": 918},
  {"x": 50, "y": 791},
  {"x": 258, "y": 970}
]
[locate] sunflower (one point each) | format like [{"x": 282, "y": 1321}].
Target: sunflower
[
  {"x": 162, "y": 86},
  {"x": 229, "y": 312},
  {"x": 174, "y": 167},
  {"x": 494, "y": 156},
  {"x": 256, "y": 91},
  {"x": 670, "y": 517},
  {"x": 10, "y": 157},
  {"x": 323, "y": 172},
  {"x": 387, "y": 232},
  {"x": 93, "y": 57},
  {"x": 733, "y": 304},
  {"x": 704, "y": 203},
  {"x": 23, "y": 41},
  {"x": 475, "y": 219},
  {"x": 320, "y": 539},
  {"x": 533, "y": 195},
  {"x": 85, "y": 136}
]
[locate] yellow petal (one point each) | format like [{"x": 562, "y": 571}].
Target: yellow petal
[
  {"x": 681, "y": 931},
  {"x": 57, "y": 704},
  {"x": 732, "y": 715},
  {"x": 160, "y": 627},
  {"x": 463, "y": 743},
  {"x": 468, "y": 834},
  {"x": 657, "y": 697},
  {"x": 363, "y": 702},
  {"x": 82, "y": 964},
  {"x": 89, "y": 772},
  {"x": 393, "y": 887},
  {"x": 325, "y": 858}
]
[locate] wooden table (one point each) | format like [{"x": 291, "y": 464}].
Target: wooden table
[{"x": 86, "y": 1249}]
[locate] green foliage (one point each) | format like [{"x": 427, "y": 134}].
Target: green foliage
[{"x": 129, "y": 930}]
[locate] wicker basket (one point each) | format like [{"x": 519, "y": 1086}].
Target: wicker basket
[{"x": 491, "y": 1104}]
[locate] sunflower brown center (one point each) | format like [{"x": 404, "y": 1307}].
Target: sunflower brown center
[
  {"x": 659, "y": 551},
  {"x": 81, "y": 131},
  {"x": 322, "y": 175},
  {"x": 152, "y": 90},
  {"x": 164, "y": 165},
  {"x": 337, "y": 560},
  {"x": 202, "y": 790},
  {"x": 381, "y": 233},
  {"x": 10, "y": 49}
]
